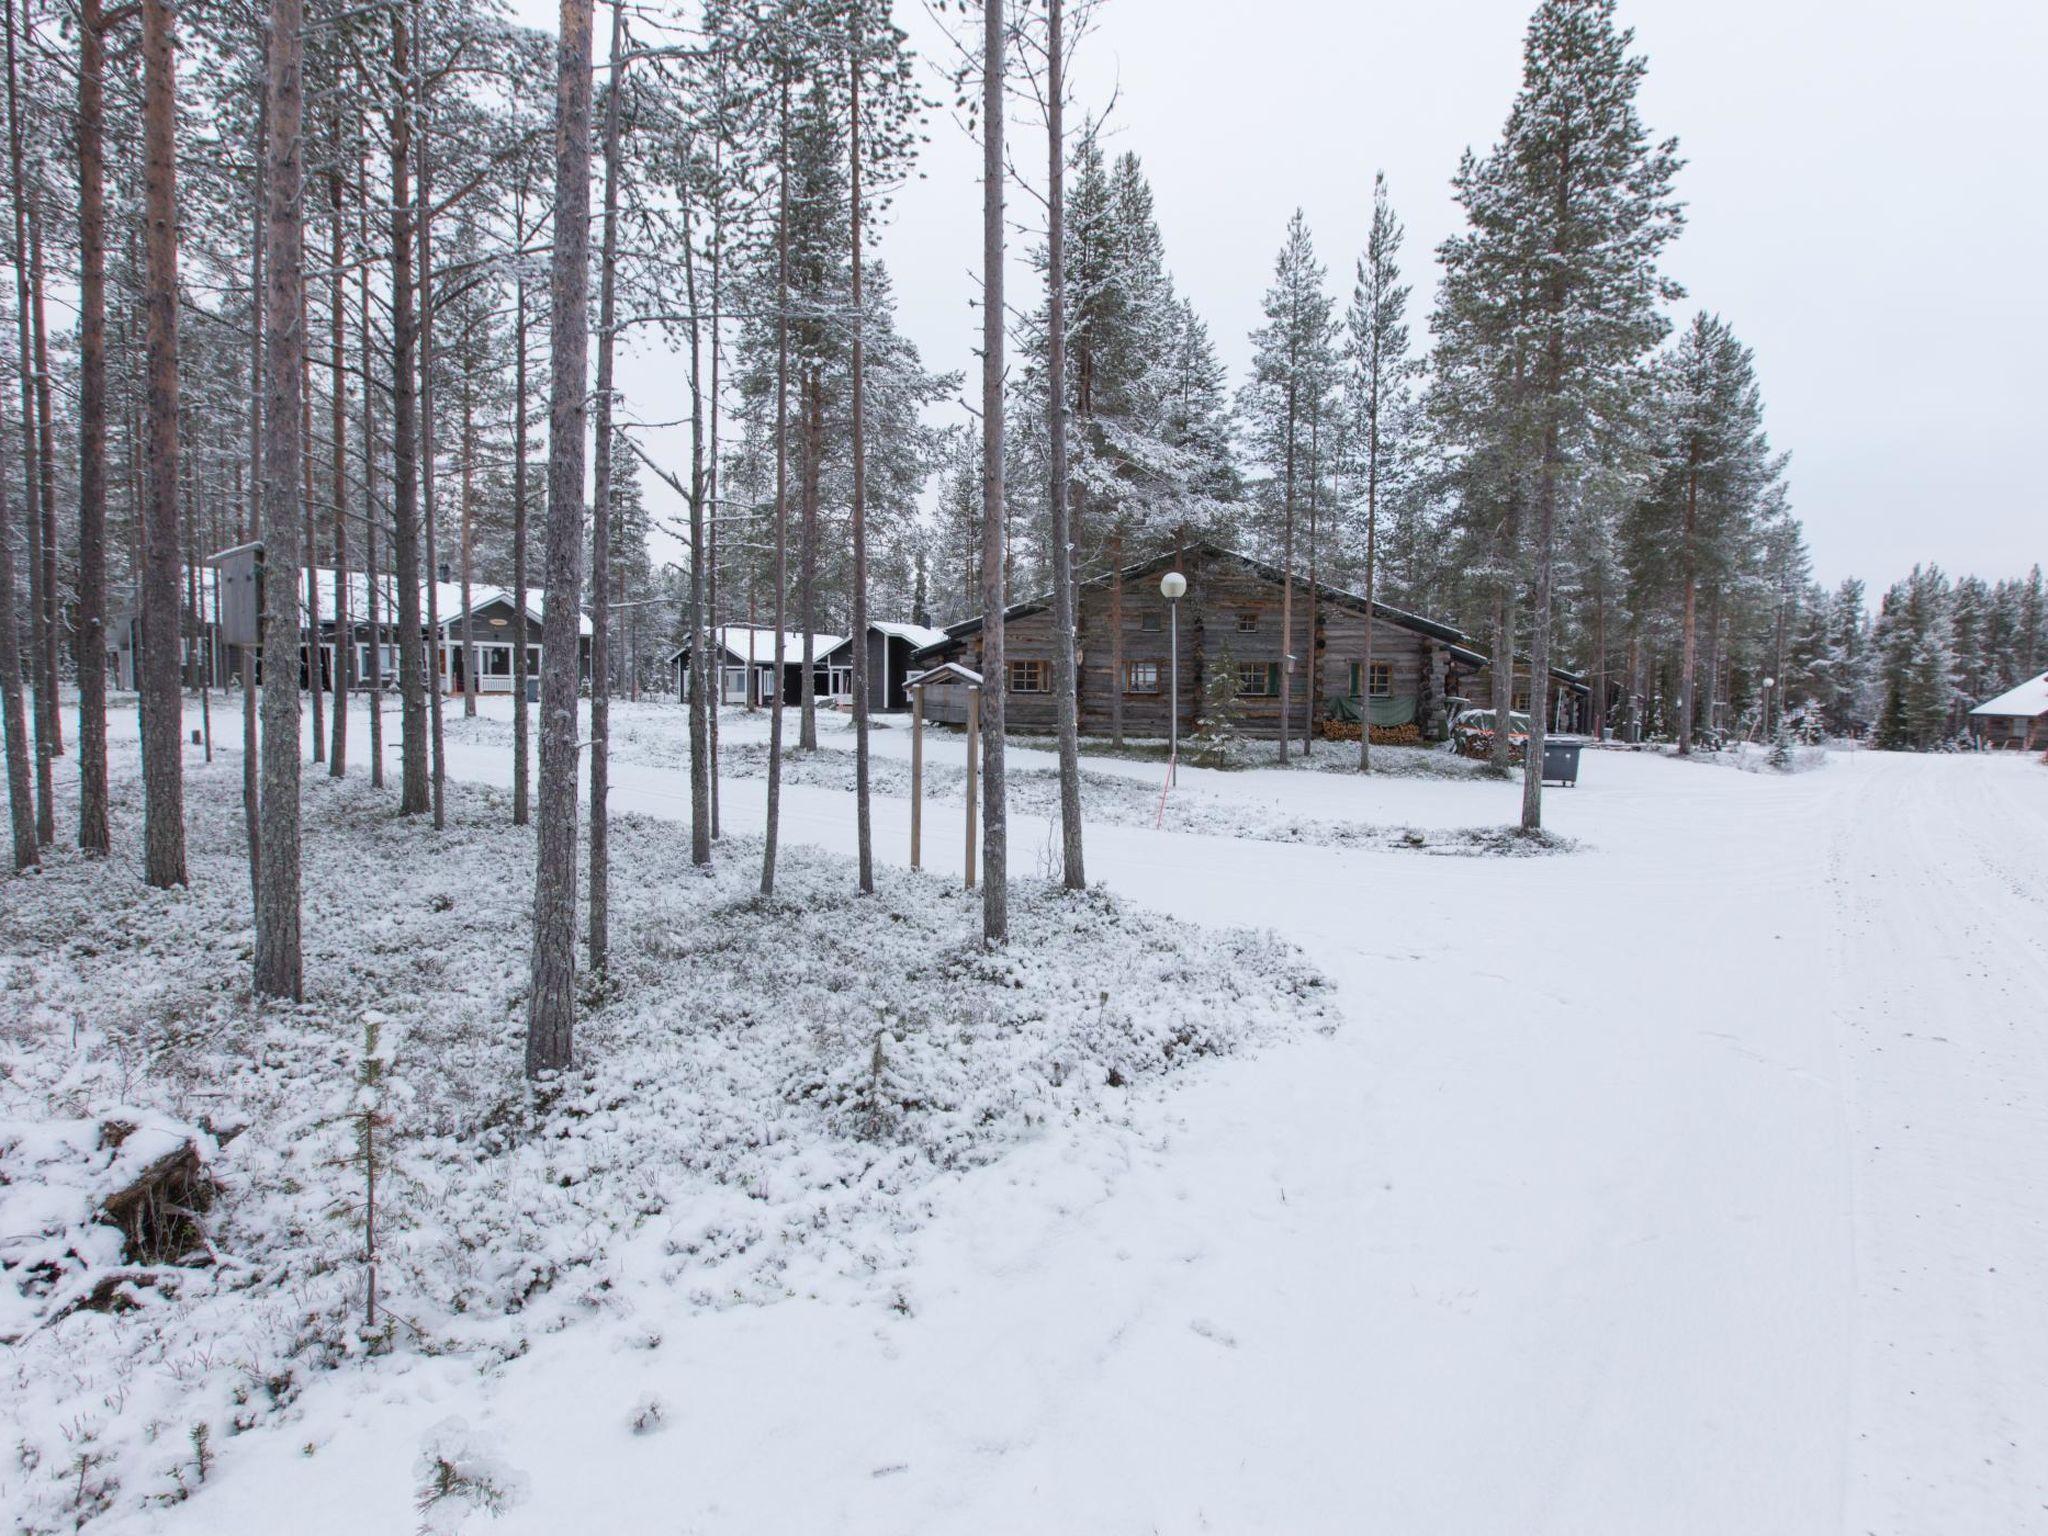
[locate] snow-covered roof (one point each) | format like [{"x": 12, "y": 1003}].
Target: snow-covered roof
[
  {"x": 944, "y": 672},
  {"x": 917, "y": 634},
  {"x": 481, "y": 597},
  {"x": 733, "y": 638},
  {"x": 2027, "y": 700}
]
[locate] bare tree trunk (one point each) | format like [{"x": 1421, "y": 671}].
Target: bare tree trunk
[
  {"x": 20, "y": 791},
  {"x": 807, "y": 553},
  {"x": 311, "y": 553},
  {"x": 1372, "y": 533},
  {"x": 1287, "y": 584},
  {"x": 373, "y": 609},
  {"x": 278, "y": 971},
  {"x": 413, "y": 794},
  {"x": 337, "y": 426},
  {"x": 1547, "y": 490},
  {"x": 1689, "y": 657},
  {"x": 436, "y": 690},
  {"x": 46, "y": 465},
  {"x": 995, "y": 830},
  {"x": 700, "y": 631},
  {"x": 1501, "y": 666},
  {"x": 781, "y": 491},
  {"x": 40, "y": 674},
  {"x": 521, "y": 723},
  {"x": 1116, "y": 639},
  {"x": 551, "y": 999},
  {"x": 467, "y": 549},
  {"x": 1312, "y": 676},
  {"x": 713, "y": 474},
  {"x": 163, "y": 767},
  {"x": 1066, "y": 700},
  {"x": 601, "y": 518},
  {"x": 92, "y": 435}
]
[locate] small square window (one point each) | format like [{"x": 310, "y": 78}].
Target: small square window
[
  {"x": 1149, "y": 622},
  {"x": 1258, "y": 679},
  {"x": 1030, "y": 677},
  {"x": 1141, "y": 677},
  {"x": 1382, "y": 680},
  {"x": 1248, "y": 623}
]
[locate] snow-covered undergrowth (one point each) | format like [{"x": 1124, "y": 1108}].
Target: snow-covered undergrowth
[
  {"x": 767, "y": 1090},
  {"x": 1244, "y": 752}
]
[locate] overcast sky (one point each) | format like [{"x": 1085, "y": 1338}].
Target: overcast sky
[{"x": 1864, "y": 194}]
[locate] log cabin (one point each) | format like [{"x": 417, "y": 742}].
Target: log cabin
[
  {"x": 2017, "y": 720},
  {"x": 745, "y": 659},
  {"x": 1232, "y": 616}
]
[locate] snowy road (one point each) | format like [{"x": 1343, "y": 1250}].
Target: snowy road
[{"x": 1693, "y": 1182}]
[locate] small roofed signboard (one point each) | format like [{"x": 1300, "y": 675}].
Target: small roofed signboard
[{"x": 240, "y": 588}]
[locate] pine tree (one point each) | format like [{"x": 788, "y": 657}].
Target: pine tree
[
  {"x": 1568, "y": 215},
  {"x": 1292, "y": 368},
  {"x": 1377, "y": 399}
]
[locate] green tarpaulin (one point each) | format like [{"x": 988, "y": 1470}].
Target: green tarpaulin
[{"x": 1384, "y": 711}]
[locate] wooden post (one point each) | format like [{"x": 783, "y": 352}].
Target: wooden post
[
  {"x": 973, "y": 792},
  {"x": 916, "y": 778}
]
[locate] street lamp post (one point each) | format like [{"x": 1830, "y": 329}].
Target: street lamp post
[{"x": 1173, "y": 586}]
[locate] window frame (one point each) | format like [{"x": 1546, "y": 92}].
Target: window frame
[
  {"x": 1131, "y": 685},
  {"x": 1248, "y": 621},
  {"x": 1039, "y": 668},
  {"x": 1269, "y": 680}
]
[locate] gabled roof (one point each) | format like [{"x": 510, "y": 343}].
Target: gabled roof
[
  {"x": 918, "y": 635},
  {"x": 481, "y": 597},
  {"x": 2026, "y": 701},
  {"x": 1466, "y": 648},
  {"x": 733, "y": 638}
]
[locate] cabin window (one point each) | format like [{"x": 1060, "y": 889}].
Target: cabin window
[
  {"x": 1382, "y": 680},
  {"x": 1520, "y": 699},
  {"x": 1149, "y": 622},
  {"x": 1141, "y": 677},
  {"x": 494, "y": 661},
  {"x": 1030, "y": 677},
  {"x": 1248, "y": 623},
  {"x": 1258, "y": 679}
]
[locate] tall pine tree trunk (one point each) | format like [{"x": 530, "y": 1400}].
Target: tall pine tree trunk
[
  {"x": 278, "y": 971},
  {"x": 601, "y": 518},
  {"x": 1066, "y": 699},
  {"x": 33, "y": 519},
  {"x": 20, "y": 787},
  {"x": 92, "y": 432},
  {"x": 163, "y": 767},
  {"x": 414, "y": 795},
  {"x": 437, "y": 670},
  {"x": 551, "y": 1001},
  {"x": 863, "y": 832},
  {"x": 1689, "y": 656},
  {"x": 700, "y": 634},
  {"x": 774, "y": 817},
  {"x": 995, "y": 829},
  {"x": 1287, "y": 583},
  {"x": 337, "y": 426},
  {"x": 521, "y": 723}
]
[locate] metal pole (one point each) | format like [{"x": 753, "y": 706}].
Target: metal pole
[{"x": 1173, "y": 698}]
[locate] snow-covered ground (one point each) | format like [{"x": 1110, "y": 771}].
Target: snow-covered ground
[{"x": 1694, "y": 1179}]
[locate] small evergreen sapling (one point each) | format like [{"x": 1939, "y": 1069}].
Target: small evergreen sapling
[{"x": 1221, "y": 713}]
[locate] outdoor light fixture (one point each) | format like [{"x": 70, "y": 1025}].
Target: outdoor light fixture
[{"x": 1172, "y": 586}]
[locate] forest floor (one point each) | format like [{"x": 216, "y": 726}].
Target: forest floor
[{"x": 1690, "y": 1181}]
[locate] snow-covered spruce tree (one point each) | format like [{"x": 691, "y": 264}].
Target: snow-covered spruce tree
[
  {"x": 1914, "y": 640},
  {"x": 1568, "y": 214},
  {"x": 1376, "y": 405},
  {"x": 1292, "y": 369},
  {"x": 1715, "y": 473},
  {"x": 1219, "y": 713}
]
